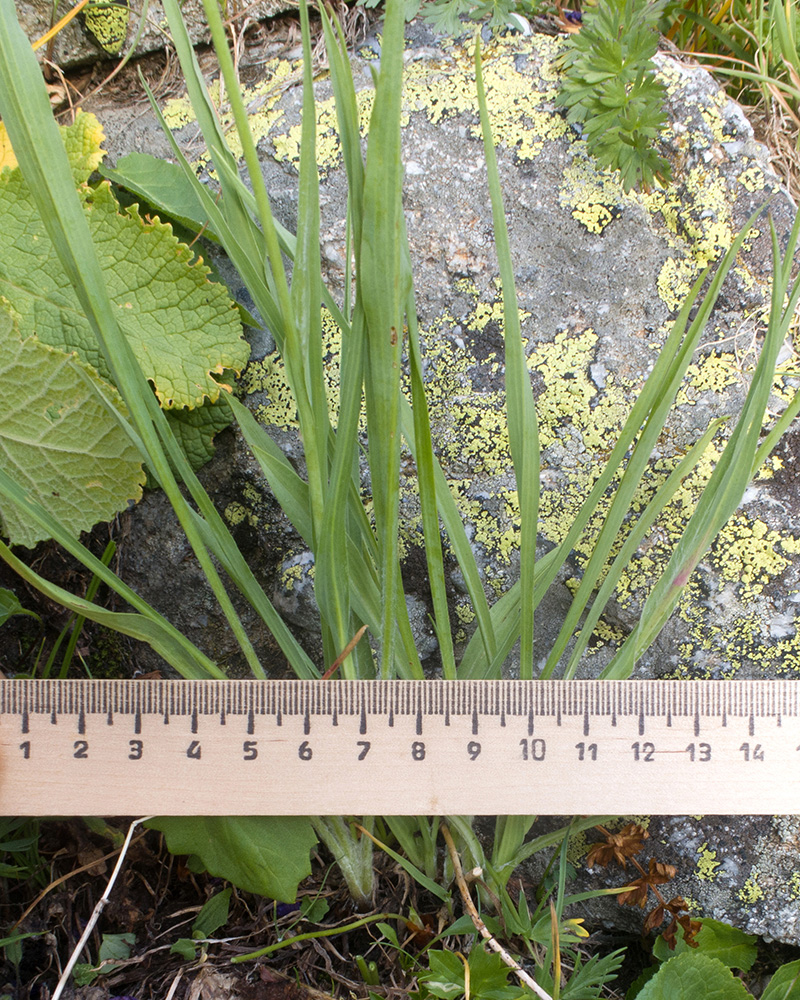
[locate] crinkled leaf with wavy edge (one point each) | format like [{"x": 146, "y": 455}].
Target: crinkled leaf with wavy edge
[
  {"x": 59, "y": 439},
  {"x": 182, "y": 328}
]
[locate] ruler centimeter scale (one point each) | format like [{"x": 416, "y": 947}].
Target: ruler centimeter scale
[{"x": 336, "y": 747}]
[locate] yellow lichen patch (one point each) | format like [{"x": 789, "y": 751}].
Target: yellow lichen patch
[
  {"x": 772, "y": 465},
  {"x": 748, "y": 553},
  {"x": 707, "y": 865},
  {"x": 569, "y": 391},
  {"x": 465, "y": 614},
  {"x": 287, "y": 145},
  {"x": 714, "y": 372},
  {"x": 675, "y": 282},
  {"x": 752, "y": 179},
  {"x": 269, "y": 377},
  {"x": 605, "y": 633},
  {"x": 594, "y": 196},
  {"x": 751, "y": 891},
  {"x": 260, "y": 100},
  {"x": 445, "y": 87},
  {"x": 235, "y": 513}
]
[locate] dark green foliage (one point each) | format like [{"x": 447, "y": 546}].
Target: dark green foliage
[{"x": 610, "y": 88}]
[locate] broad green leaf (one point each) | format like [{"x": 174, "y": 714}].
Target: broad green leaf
[
  {"x": 213, "y": 915},
  {"x": 84, "y": 974},
  {"x": 715, "y": 939},
  {"x": 83, "y": 142},
  {"x": 9, "y": 606},
  {"x": 40, "y": 150},
  {"x": 162, "y": 185},
  {"x": 181, "y": 327},
  {"x": 59, "y": 439},
  {"x": 186, "y": 948},
  {"x": 116, "y": 946},
  {"x": 785, "y": 984},
  {"x": 446, "y": 976},
  {"x": 488, "y": 974},
  {"x": 269, "y": 855},
  {"x": 195, "y": 430},
  {"x": 692, "y": 976},
  {"x": 638, "y": 984}
]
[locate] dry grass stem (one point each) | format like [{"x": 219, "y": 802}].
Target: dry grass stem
[
  {"x": 480, "y": 926},
  {"x": 101, "y": 903}
]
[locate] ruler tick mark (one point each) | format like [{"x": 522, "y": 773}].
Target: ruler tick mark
[
  {"x": 586, "y": 722},
  {"x": 362, "y": 725},
  {"x": 530, "y": 722},
  {"x": 696, "y": 724},
  {"x": 474, "y": 721},
  {"x": 641, "y": 723},
  {"x": 251, "y": 722},
  {"x": 81, "y": 723},
  {"x": 137, "y": 722},
  {"x": 418, "y": 726},
  {"x": 751, "y": 725},
  {"x": 194, "y": 720},
  {"x": 306, "y": 724}
]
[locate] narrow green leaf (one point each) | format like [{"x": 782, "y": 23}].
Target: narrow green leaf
[
  {"x": 523, "y": 432},
  {"x": 147, "y": 626},
  {"x": 728, "y": 481},
  {"x": 640, "y": 528},
  {"x": 383, "y": 290}
]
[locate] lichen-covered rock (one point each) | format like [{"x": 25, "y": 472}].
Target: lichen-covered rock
[
  {"x": 109, "y": 30},
  {"x": 743, "y": 871},
  {"x": 600, "y": 275}
]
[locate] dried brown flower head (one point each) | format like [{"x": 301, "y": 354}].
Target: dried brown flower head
[
  {"x": 636, "y": 895},
  {"x": 617, "y": 846}
]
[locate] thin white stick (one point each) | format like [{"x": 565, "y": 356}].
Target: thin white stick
[
  {"x": 493, "y": 943},
  {"x": 99, "y": 907}
]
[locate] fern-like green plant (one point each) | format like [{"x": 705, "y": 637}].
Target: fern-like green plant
[{"x": 610, "y": 88}]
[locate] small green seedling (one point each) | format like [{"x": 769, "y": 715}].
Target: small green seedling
[{"x": 213, "y": 915}]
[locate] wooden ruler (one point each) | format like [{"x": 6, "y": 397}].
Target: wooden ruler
[{"x": 336, "y": 747}]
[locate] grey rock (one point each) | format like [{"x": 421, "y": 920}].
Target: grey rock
[
  {"x": 75, "y": 46},
  {"x": 600, "y": 275}
]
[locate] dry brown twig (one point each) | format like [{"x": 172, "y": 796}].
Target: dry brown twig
[{"x": 480, "y": 926}]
